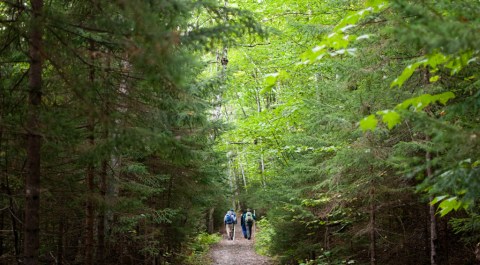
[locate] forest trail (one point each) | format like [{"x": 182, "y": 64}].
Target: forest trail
[{"x": 238, "y": 251}]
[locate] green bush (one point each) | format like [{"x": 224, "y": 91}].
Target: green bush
[
  {"x": 199, "y": 248},
  {"x": 264, "y": 237}
]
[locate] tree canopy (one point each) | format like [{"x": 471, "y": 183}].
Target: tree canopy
[{"x": 127, "y": 128}]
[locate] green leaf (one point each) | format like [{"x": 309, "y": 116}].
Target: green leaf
[
  {"x": 405, "y": 104},
  {"x": 406, "y": 74},
  {"x": 438, "y": 199},
  {"x": 436, "y": 59},
  {"x": 390, "y": 117},
  {"x": 369, "y": 123},
  {"x": 444, "y": 97},
  {"x": 339, "y": 40},
  {"x": 455, "y": 64},
  {"x": 448, "y": 205},
  {"x": 271, "y": 79},
  {"x": 421, "y": 102},
  {"x": 314, "y": 54},
  {"x": 353, "y": 18},
  {"x": 434, "y": 79},
  {"x": 476, "y": 164}
]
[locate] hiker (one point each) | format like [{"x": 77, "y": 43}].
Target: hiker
[
  {"x": 244, "y": 225},
  {"x": 248, "y": 220},
  {"x": 230, "y": 220}
]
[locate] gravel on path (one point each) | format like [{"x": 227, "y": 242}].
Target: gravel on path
[{"x": 237, "y": 251}]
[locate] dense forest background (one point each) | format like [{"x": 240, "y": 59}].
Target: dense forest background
[{"x": 128, "y": 128}]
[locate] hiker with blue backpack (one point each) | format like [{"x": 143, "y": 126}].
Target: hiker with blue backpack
[
  {"x": 243, "y": 224},
  {"x": 230, "y": 220},
  {"x": 247, "y": 221}
]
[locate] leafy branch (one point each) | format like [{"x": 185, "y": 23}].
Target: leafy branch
[{"x": 393, "y": 117}]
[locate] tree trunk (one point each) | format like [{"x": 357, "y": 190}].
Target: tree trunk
[
  {"x": 231, "y": 181},
  {"x": 13, "y": 218},
  {"x": 327, "y": 235},
  {"x": 211, "y": 221},
  {"x": 262, "y": 169},
  {"x": 258, "y": 100},
  {"x": 2, "y": 228},
  {"x": 60, "y": 240},
  {"x": 89, "y": 214},
  {"x": 425, "y": 213},
  {"x": 433, "y": 235},
  {"x": 11, "y": 210},
  {"x": 433, "y": 220},
  {"x": 101, "y": 215},
  {"x": 243, "y": 177},
  {"x": 90, "y": 175},
  {"x": 102, "y": 219},
  {"x": 34, "y": 140},
  {"x": 372, "y": 227},
  {"x": 477, "y": 251},
  {"x": 236, "y": 203},
  {"x": 16, "y": 239},
  {"x": 6, "y": 176}
]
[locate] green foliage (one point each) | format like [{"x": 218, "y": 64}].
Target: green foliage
[
  {"x": 272, "y": 79},
  {"x": 203, "y": 241},
  {"x": 423, "y": 101},
  {"x": 454, "y": 63},
  {"x": 264, "y": 237},
  {"x": 393, "y": 117},
  {"x": 125, "y": 127},
  {"x": 369, "y": 123},
  {"x": 294, "y": 149},
  {"x": 199, "y": 248},
  {"x": 468, "y": 228},
  {"x": 339, "y": 40},
  {"x": 447, "y": 204},
  {"x": 462, "y": 182}
]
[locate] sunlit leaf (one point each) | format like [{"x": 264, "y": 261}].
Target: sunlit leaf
[
  {"x": 369, "y": 123},
  {"x": 448, "y": 205},
  {"x": 423, "y": 101},
  {"x": 444, "y": 97},
  {"x": 406, "y": 74},
  {"x": 390, "y": 117},
  {"x": 438, "y": 199},
  {"x": 434, "y": 78}
]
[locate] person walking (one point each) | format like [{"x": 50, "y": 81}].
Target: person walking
[
  {"x": 249, "y": 220},
  {"x": 243, "y": 224},
  {"x": 230, "y": 220}
]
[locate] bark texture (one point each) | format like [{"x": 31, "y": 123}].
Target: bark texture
[{"x": 34, "y": 140}]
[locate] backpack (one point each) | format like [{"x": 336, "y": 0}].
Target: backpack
[
  {"x": 229, "y": 219},
  {"x": 249, "y": 217}
]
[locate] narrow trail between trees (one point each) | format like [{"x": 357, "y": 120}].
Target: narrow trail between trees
[{"x": 238, "y": 251}]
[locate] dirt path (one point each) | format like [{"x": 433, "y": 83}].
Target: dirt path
[{"x": 238, "y": 251}]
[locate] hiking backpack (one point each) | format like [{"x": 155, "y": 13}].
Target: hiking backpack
[
  {"x": 249, "y": 217},
  {"x": 229, "y": 219}
]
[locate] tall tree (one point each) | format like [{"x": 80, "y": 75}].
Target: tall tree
[
  {"x": 316, "y": 159},
  {"x": 34, "y": 136}
]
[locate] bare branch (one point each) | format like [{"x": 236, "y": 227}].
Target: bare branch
[{"x": 254, "y": 44}]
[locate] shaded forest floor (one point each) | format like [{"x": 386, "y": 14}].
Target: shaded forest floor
[{"x": 238, "y": 251}]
